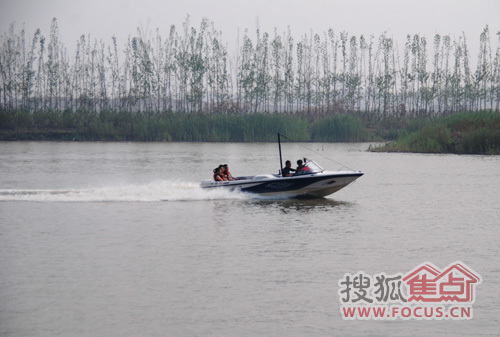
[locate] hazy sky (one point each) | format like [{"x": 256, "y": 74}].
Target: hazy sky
[{"x": 105, "y": 18}]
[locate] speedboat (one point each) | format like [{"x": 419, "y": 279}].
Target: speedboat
[{"x": 311, "y": 181}]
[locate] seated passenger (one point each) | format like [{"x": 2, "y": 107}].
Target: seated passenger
[
  {"x": 228, "y": 174},
  {"x": 287, "y": 170},
  {"x": 219, "y": 174}
]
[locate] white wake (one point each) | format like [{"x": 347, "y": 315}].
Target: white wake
[{"x": 154, "y": 191}]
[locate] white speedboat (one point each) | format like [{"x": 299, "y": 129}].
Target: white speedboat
[{"x": 312, "y": 181}]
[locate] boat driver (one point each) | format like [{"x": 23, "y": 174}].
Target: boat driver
[
  {"x": 301, "y": 168},
  {"x": 300, "y": 165}
]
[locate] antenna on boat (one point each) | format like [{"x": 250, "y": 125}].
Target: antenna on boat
[{"x": 279, "y": 146}]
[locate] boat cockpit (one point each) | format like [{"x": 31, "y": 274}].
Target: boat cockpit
[{"x": 310, "y": 167}]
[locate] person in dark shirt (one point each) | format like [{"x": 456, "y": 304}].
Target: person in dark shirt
[{"x": 286, "y": 172}]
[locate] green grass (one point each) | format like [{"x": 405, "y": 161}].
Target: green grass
[
  {"x": 339, "y": 128},
  {"x": 467, "y": 133},
  {"x": 463, "y": 133},
  {"x": 108, "y": 125}
]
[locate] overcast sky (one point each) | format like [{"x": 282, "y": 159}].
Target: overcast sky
[{"x": 105, "y": 18}]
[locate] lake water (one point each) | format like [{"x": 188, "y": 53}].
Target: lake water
[{"x": 117, "y": 239}]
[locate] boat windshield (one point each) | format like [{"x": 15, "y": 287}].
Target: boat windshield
[{"x": 310, "y": 167}]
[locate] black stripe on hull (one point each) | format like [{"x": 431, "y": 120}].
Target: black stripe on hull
[{"x": 287, "y": 185}]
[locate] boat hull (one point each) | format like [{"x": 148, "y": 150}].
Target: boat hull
[{"x": 313, "y": 185}]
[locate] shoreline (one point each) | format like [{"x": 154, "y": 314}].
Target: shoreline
[{"x": 459, "y": 133}]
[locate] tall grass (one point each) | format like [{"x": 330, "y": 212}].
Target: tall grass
[
  {"x": 468, "y": 132},
  {"x": 429, "y": 139},
  {"x": 463, "y": 133},
  {"x": 339, "y": 128},
  {"x": 111, "y": 125}
]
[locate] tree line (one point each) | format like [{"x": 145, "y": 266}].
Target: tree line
[{"x": 191, "y": 71}]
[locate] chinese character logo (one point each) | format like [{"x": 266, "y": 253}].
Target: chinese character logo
[
  {"x": 455, "y": 283},
  {"x": 425, "y": 292},
  {"x": 362, "y": 288}
]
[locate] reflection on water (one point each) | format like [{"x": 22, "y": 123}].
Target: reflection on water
[{"x": 301, "y": 205}]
